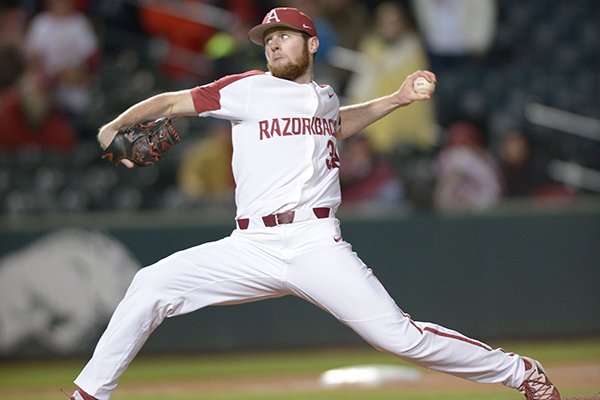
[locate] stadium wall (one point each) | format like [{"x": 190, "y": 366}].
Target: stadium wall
[{"x": 518, "y": 275}]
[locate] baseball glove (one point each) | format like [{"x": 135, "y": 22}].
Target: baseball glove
[{"x": 144, "y": 143}]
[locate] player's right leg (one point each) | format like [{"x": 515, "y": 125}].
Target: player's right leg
[{"x": 232, "y": 270}]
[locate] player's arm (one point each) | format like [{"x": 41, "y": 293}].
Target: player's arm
[
  {"x": 356, "y": 117},
  {"x": 172, "y": 104}
]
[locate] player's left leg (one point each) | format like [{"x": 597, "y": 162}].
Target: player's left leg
[{"x": 334, "y": 278}]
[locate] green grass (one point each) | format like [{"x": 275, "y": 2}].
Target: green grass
[{"x": 41, "y": 380}]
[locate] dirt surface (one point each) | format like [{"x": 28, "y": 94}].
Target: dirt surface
[
  {"x": 579, "y": 376},
  {"x": 582, "y": 377}
]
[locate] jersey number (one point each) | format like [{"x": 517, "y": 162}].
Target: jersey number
[{"x": 333, "y": 160}]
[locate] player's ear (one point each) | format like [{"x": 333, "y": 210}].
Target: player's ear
[{"x": 313, "y": 44}]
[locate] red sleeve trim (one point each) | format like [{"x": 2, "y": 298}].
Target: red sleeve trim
[{"x": 208, "y": 97}]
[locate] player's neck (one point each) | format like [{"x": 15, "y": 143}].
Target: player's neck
[{"x": 304, "y": 79}]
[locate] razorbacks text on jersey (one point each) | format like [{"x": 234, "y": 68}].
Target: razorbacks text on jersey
[{"x": 277, "y": 123}]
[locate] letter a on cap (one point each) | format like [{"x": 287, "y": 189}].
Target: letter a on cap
[{"x": 271, "y": 16}]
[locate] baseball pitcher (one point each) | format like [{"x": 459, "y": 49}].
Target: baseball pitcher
[{"x": 287, "y": 240}]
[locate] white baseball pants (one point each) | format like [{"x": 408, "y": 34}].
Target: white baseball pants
[{"x": 305, "y": 259}]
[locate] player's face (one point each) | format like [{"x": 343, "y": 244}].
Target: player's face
[{"x": 287, "y": 54}]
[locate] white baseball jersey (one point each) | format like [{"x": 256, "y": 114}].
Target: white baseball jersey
[
  {"x": 277, "y": 123},
  {"x": 284, "y": 159}
]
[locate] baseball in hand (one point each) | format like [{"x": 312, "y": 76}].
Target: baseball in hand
[{"x": 422, "y": 86}]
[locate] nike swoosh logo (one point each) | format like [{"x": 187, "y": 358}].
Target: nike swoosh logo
[
  {"x": 337, "y": 238},
  {"x": 306, "y": 26},
  {"x": 330, "y": 95}
]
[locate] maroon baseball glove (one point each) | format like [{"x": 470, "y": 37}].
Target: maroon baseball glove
[{"x": 144, "y": 143}]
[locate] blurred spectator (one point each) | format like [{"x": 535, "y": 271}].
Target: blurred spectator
[
  {"x": 366, "y": 177},
  {"x": 205, "y": 170},
  {"x": 391, "y": 52},
  {"x": 62, "y": 42},
  {"x": 13, "y": 23},
  {"x": 456, "y": 31},
  {"x": 524, "y": 173},
  {"x": 520, "y": 172},
  {"x": 468, "y": 178},
  {"x": 29, "y": 117},
  {"x": 349, "y": 19}
]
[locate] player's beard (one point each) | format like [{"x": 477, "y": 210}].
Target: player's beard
[{"x": 294, "y": 69}]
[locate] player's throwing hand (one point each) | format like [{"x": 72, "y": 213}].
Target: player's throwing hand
[{"x": 406, "y": 94}]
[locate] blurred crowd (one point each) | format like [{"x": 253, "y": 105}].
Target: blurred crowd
[{"x": 515, "y": 114}]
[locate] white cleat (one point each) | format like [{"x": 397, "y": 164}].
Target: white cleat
[{"x": 536, "y": 385}]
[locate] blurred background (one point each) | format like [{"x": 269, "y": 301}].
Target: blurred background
[{"x": 490, "y": 192}]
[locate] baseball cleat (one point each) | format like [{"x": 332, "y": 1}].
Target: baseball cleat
[
  {"x": 79, "y": 395},
  {"x": 536, "y": 385}
]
